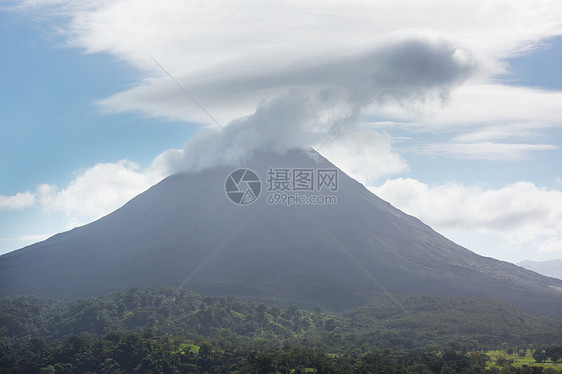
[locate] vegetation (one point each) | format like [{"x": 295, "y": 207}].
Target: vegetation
[
  {"x": 526, "y": 358},
  {"x": 169, "y": 330}
]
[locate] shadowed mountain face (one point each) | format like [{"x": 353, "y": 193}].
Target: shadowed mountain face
[{"x": 186, "y": 231}]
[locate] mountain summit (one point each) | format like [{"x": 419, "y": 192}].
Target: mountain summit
[{"x": 290, "y": 228}]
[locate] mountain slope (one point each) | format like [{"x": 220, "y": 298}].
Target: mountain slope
[{"x": 185, "y": 231}]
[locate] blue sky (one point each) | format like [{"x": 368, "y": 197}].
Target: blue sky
[
  {"x": 48, "y": 101},
  {"x": 87, "y": 120}
]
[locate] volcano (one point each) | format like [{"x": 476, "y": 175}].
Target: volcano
[{"x": 287, "y": 228}]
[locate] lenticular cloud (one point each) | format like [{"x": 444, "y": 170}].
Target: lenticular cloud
[{"x": 308, "y": 106}]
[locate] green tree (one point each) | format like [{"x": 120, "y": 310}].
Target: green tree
[
  {"x": 109, "y": 366},
  {"x": 330, "y": 324},
  {"x": 540, "y": 355},
  {"x": 554, "y": 352}
]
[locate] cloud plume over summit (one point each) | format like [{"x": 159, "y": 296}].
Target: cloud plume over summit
[{"x": 310, "y": 105}]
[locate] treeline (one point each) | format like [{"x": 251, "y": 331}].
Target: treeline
[
  {"x": 145, "y": 353},
  {"x": 173, "y": 330},
  {"x": 552, "y": 353},
  {"x": 470, "y": 324}
]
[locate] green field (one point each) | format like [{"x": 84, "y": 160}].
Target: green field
[{"x": 497, "y": 356}]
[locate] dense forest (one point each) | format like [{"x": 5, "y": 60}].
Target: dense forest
[{"x": 173, "y": 330}]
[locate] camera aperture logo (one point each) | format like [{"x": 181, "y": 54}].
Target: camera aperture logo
[
  {"x": 242, "y": 186},
  {"x": 286, "y": 186}
]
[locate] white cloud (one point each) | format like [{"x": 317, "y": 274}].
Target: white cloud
[
  {"x": 365, "y": 155},
  {"x": 517, "y": 207},
  {"x": 233, "y": 54},
  {"x": 552, "y": 246},
  {"x": 485, "y": 151},
  {"x": 524, "y": 215},
  {"x": 96, "y": 191},
  {"x": 18, "y": 201},
  {"x": 524, "y": 108},
  {"x": 192, "y": 35},
  {"x": 483, "y": 121},
  {"x": 401, "y": 70},
  {"x": 93, "y": 193},
  {"x": 322, "y": 102},
  {"x": 253, "y": 43}
]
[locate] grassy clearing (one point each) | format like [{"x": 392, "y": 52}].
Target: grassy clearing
[
  {"x": 496, "y": 358},
  {"x": 184, "y": 347}
]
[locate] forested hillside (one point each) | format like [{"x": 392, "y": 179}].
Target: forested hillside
[{"x": 170, "y": 330}]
